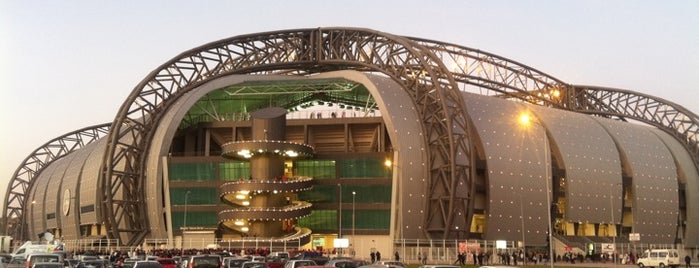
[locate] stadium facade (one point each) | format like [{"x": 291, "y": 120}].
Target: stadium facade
[{"x": 416, "y": 140}]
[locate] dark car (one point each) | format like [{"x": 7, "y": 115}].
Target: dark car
[{"x": 204, "y": 261}]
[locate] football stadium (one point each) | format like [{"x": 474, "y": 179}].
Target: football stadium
[{"x": 360, "y": 140}]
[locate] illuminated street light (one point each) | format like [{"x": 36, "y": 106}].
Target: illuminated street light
[
  {"x": 354, "y": 194},
  {"x": 526, "y": 120}
]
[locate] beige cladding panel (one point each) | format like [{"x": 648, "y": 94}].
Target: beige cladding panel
[
  {"x": 591, "y": 162},
  {"x": 654, "y": 181},
  {"x": 68, "y": 208},
  {"x": 516, "y": 170},
  {"x": 90, "y": 190},
  {"x": 36, "y": 201},
  {"x": 52, "y": 195},
  {"x": 691, "y": 180}
]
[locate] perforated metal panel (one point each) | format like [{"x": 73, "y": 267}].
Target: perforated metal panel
[
  {"x": 593, "y": 183},
  {"x": 653, "y": 180},
  {"x": 516, "y": 170},
  {"x": 70, "y": 227},
  {"x": 691, "y": 180},
  {"x": 410, "y": 160}
]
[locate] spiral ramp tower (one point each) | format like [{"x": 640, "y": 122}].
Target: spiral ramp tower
[{"x": 265, "y": 204}]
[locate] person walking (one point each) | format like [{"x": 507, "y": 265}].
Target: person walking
[
  {"x": 397, "y": 256},
  {"x": 688, "y": 261}
]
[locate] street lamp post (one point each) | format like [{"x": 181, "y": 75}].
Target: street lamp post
[
  {"x": 612, "y": 223},
  {"x": 548, "y": 195},
  {"x": 354, "y": 194},
  {"x": 526, "y": 120},
  {"x": 521, "y": 215},
  {"x": 184, "y": 221},
  {"x": 339, "y": 202}
]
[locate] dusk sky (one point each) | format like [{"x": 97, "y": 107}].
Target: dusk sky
[{"x": 66, "y": 65}]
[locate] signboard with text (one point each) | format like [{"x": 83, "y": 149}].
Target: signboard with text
[{"x": 634, "y": 237}]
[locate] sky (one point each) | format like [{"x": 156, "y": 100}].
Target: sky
[{"x": 66, "y": 65}]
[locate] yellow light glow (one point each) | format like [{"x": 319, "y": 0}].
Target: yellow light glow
[
  {"x": 525, "y": 119},
  {"x": 245, "y": 192},
  {"x": 239, "y": 223},
  {"x": 245, "y": 229},
  {"x": 240, "y": 197},
  {"x": 556, "y": 93},
  {"x": 246, "y": 203},
  {"x": 388, "y": 163}
]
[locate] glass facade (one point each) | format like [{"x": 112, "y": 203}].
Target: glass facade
[
  {"x": 320, "y": 220},
  {"x": 377, "y": 192},
  {"x": 232, "y": 171},
  {"x": 194, "y": 218},
  {"x": 363, "y": 168},
  {"x": 197, "y": 196},
  {"x": 318, "y": 169},
  {"x": 192, "y": 171}
]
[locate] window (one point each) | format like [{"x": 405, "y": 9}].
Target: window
[{"x": 192, "y": 171}]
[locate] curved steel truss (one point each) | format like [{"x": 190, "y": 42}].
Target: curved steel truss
[
  {"x": 23, "y": 178},
  {"x": 433, "y": 73}
]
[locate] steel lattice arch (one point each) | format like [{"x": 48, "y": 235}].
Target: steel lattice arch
[{"x": 434, "y": 74}]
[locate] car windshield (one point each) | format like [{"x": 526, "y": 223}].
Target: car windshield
[
  {"x": 91, "y": 264},
  {"x": 166, "y": 261},
  {"x": 205, "y": 262},
  {"x": 44, "y": 258},
  {"x": 255, "y": 265},
  {"x": 18, "y": 261}
]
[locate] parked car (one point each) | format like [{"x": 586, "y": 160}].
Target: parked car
[
  {"x": 70, "y": 263},
  {"x": 147, "y": 264},
  {"x": 47, "y": 265},
  {"x": 659, "y": 258},
  {"x": 167, "y": 262},
  {"x": 233, "y": 262},
  {"x": 17, "y": 262},
  {"x": 43, "y": 257},
  {"x": 275, "y": 262},
  {"x": 392, "y": 264},
  {"x": 345, "y": 263},
  {"x": 254, "y": 264},
  {"x": 205, "y": 261},
  {"x": 6, "y": 257},
  {"x": 284, "y": 256},
  {"x": 94, "y": 263},
  {"x": 299, "y": 263}
]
